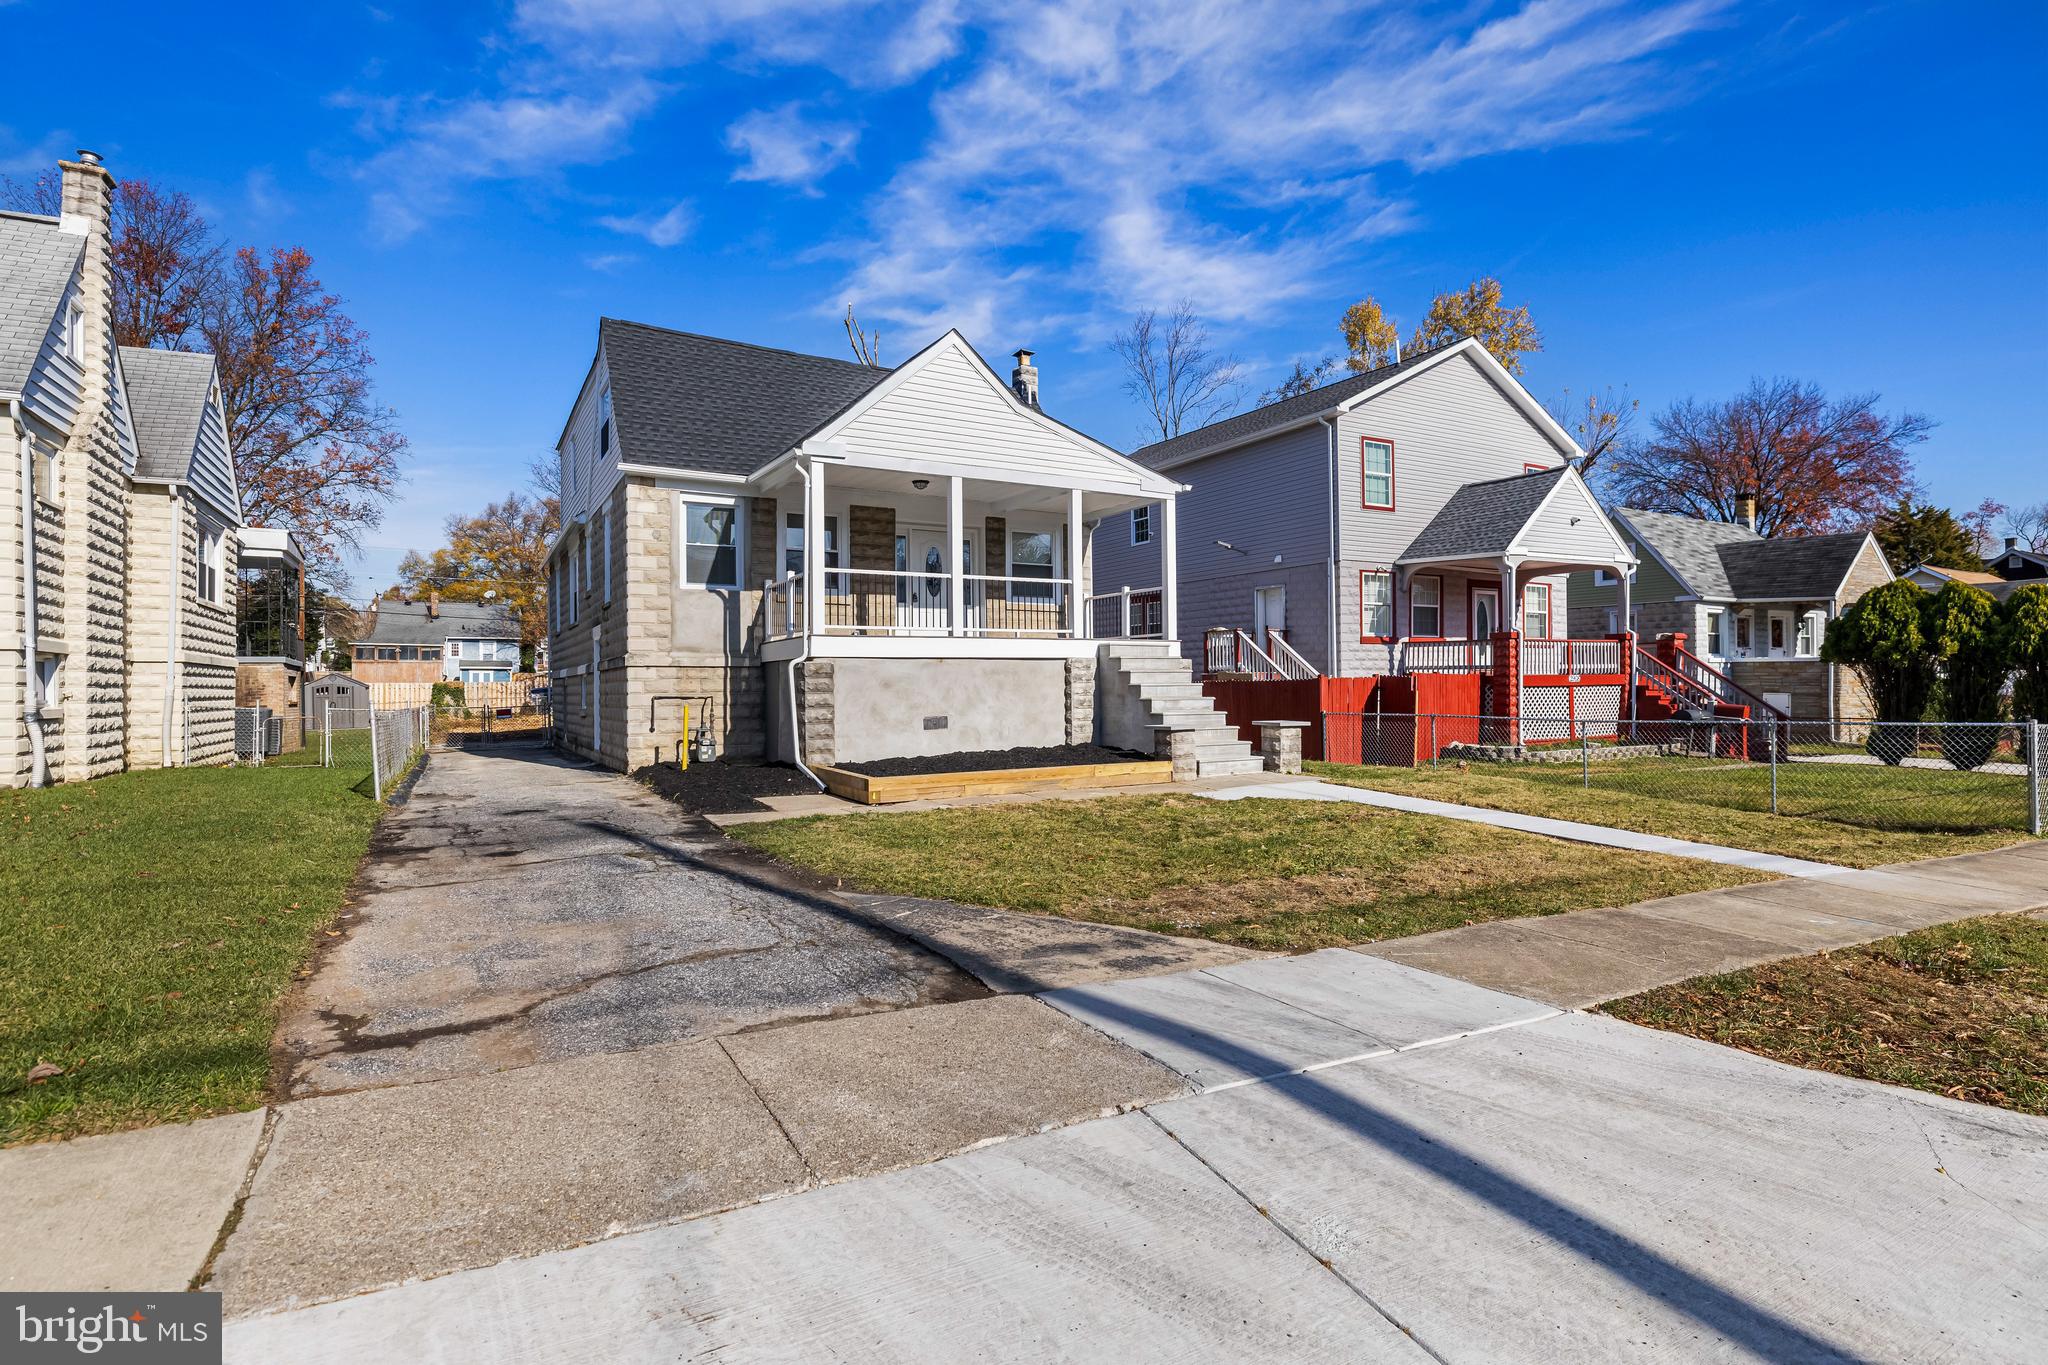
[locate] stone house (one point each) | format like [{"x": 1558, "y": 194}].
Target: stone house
[
  {"x": 1752, "y": 609},
  {"x": 827, "y": 561},
  {"x": 118, "y": 517}
]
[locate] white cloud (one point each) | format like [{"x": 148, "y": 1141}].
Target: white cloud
[
  {"x": 610, "y": 262},
  {"x": 782, "y": 147},
  {"x": 663, "y": 230}
]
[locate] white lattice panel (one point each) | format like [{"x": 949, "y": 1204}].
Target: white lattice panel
[{"x": 1546, "y": 714}]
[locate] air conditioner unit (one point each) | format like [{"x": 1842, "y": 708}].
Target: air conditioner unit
[{"x": 251, "y": 726}]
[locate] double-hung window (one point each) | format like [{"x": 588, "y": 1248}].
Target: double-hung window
[
  {"x": 1536, "y": 611},
  {"x": 1375, "y": 604},
  {"x": 1806, "y": 642},
  {"x": 1426, "y": 606},
  {"x": 793, "y": 545},
  {"x": 1376, "y": 473},
  {"x": 1717, "y": 630},
  {"x": 212, "y": 560},
  {"x": 1141, "y": 525},
  {"x": 1742, "y": 632},
  {"x": 711, "y": 555},
  {"x": 1031, "y": 557}
]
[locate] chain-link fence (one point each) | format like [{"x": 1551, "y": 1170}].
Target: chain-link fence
[
  {"x": 396, "y": 737},
  {"x": 466, "y": 725},
  {"x": 1946, "y": 777}
]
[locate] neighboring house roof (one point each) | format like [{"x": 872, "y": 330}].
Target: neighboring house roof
[
  {"x": 167, "y": 395},
  {"x": 407, "y": 623},
  {"x": 1959, "y": 575},
  {"x": 683, "y": 401},
  {"x": 37, "y": 261},
  {"x": 1718, "y": 560},
  {"x": 1483, "y": 519},
  {"x": 1688, "y": 546},
  {"x": 1277, "y": 416}
]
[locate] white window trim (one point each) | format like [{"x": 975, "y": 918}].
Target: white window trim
[
  {"x": 1437, "y": 606},
  {"x": 1816, "y": 621},
  {"x": 1548, "y": 614},
  {"x": 1146, "y": 513},
  {"x": 1386, "y": 603},
  {"x": 682, "y": 504},
  {"x": 1010, "y": 535},
  {"x": 606, "y": 551},
  {"x": 1790, "y": 638},
  {"x": 72, "y": 343},
  {"x": 212, "y": 563}
]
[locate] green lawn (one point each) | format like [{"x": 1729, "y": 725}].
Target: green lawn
[
  {"x": 1287, "y": 875},
  {"x": 1856, "y": 815},
  {"x": 148, "y": 925},
  {"x": 1959, "y": 1009}
]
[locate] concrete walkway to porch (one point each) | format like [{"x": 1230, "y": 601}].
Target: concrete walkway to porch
[{"x": 1310, "y": 789}]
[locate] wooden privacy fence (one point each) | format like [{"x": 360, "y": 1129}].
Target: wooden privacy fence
[{"x": 517, "y": 694}]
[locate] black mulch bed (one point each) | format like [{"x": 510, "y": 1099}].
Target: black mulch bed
[
  {"x": 721, "y": 788},
  {"x": 994, "y": 760}
]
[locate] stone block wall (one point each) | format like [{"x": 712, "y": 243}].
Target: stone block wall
[{"x": 1080, "y": 701}]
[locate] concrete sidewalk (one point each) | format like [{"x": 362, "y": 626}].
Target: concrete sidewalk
[
  {"x": 1589, "y": 956},
  {"x": 1382, "y": 1165}
]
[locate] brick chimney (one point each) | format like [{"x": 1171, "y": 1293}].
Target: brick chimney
[
  {"x": 2012, "y": 543},
  {"x": 1024, "y": 379},
  {"x": 88, "y": 210},
  {"x": 433, "y": 603},
  {"x": 1745, "y": 509}
]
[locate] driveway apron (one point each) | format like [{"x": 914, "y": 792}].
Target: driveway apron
[{"x": 521, "y": 908}]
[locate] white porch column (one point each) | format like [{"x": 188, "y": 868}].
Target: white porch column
[
  {"x": 814, "y": 550},
  {"x": 956, "y": 596},
  {"x": 1510, "y": 597},
  {"x": 1621, "y": 594},
  {"x": 1077, "y": 615},
  {"x": 1169, "y": 583}
]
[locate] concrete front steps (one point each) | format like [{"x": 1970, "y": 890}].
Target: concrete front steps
[{"x": 1164, "y": 683}]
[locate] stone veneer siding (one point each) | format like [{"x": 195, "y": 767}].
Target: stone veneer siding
[{"x": 163, "y": 542}]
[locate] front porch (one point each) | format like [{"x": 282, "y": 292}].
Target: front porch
[{"x": 917, "y": 564}]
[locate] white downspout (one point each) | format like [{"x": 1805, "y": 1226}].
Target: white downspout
[
  {"x": 177, "y": 601},
  {"x": 32, "y": 694},
  {"x": 1336, "y": 554},
  {"x": 803, "y": 652}
]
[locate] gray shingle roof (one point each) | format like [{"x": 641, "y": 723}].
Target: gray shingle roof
[
  {"x": 1721, "y": 559},
  {"x": 407, "y": 623},
  {"x": 1690, "y": 547},
  {"x": 1795, "y": 566},
  {"x": 36, "y": 263},
  {"x": 1286, "y": 412},
  {"x": 167, "y": 393},
  {"x": 685, "y": 401},
  {"x": 1482, "y": 519}
]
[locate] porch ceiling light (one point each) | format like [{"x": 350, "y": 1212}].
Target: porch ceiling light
[{"x": 920, "y": 484}]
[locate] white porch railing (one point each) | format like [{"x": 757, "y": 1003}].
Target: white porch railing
[
  {"x": 1289, "y": 658},
  {"x": 1444, "y": 656},
  {"x": 1127, "y": 614},
  {"x": 1232, "y": 652},
  {"x": 1558, "y": 657},
  {"x": 893, "y": 602}
]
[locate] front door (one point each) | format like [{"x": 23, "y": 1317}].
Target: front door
[
  {"x": 1485, "y": 613},
  {"x": 922, "y": 591},
  {"x": 1269, "y": 613}
]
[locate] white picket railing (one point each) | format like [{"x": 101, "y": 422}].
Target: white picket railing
[
  {"x": 1444, "y": 656},
  {"x": 1558, "y": 657}
]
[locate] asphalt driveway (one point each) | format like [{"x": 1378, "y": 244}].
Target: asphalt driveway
[{"x": 523, "y": 908}]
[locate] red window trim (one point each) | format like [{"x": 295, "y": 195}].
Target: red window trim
[
  {"x": 1528, "y": 468},
  {"x": 1393, "y": 496},
  {"x": 1413, "y": 633},
  {"x": 1393, "y": 606}
]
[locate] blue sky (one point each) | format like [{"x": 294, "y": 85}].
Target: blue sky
[{"x": 1685, "y": 194}]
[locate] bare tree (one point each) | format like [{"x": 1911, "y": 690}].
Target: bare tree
[
  {"x": 1171, "y": 367},
  {"x": 1302, "y": 379},
  {"x": 867, "y": 346},
  {"x": 2029, "y": 524},
  {"x": 1604, "y": 421}
]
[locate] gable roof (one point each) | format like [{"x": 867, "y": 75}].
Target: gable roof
[
  {"x": 37, "y": 260},
  {"x": 1726, "y": 560},
  {"x": 407, "y": 623},
  {"x": 1483, "y": 519},
  {"x": 1976, "y": 576},
  {"x": 689, "y": 402},
  {"x": 1688, "y": 546},
  {"x": 1279, "y": 415},
  {"x": 167, "y": 397}
]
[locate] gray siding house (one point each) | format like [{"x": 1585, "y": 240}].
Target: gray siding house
[{"x": 1395, "y": 521}]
